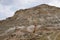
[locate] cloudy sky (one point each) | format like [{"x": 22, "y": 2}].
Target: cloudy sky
[{"x": 8, "y": 7}]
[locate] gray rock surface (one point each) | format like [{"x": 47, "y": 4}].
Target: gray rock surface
[{"x": 43, "y": 15}]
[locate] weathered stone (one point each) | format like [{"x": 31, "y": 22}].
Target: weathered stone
[{"x": 44, "y": 17}]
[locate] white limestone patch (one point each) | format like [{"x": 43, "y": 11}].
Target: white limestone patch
[
  {"x": 38, "y": 26},
  {"x": 41, "y": 19},
  {"x": 30, "y": 28},
  {"x": 20, "y": 27}
]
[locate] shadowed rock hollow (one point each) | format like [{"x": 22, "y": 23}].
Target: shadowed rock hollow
[{"x": 43, "y": 15}]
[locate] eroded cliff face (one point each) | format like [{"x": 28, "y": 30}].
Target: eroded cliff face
[{"x": 47, "y": 17}]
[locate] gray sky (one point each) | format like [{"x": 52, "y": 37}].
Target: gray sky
[{"x": 8, "y": 7}]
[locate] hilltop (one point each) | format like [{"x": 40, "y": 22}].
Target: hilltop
[{"x": 46, "y": 16}]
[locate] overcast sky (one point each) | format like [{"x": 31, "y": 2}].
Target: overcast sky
[{"x": 8, "y": 7}]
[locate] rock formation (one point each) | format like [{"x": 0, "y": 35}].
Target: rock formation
[{"x": 45, "y": 17}]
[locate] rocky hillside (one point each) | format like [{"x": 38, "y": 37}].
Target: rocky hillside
[{"x": 44, "y": 18}]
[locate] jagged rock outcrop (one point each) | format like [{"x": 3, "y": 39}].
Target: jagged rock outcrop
[{"x": 44, "y": 15}]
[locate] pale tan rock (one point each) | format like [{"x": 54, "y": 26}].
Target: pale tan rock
[{"x": 45, "y": 17}]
